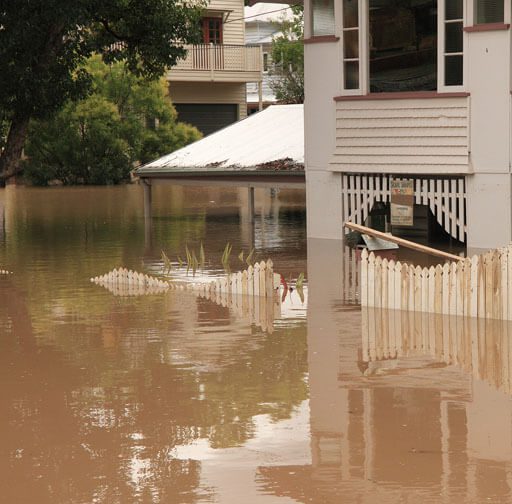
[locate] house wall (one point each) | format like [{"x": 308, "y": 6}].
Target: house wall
[
  {"x": 457, "y": 135},
  {"x": 234, "y": 25},
  {"x": 209, "y": 92},
  {"x": 489, "y": 189},
  {"x": 402, "y": 136}
]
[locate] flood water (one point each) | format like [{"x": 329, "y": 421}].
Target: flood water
[{"x": 173, "y": 398}]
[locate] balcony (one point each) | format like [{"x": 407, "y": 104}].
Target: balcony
[{"x": 218, "y": 63}]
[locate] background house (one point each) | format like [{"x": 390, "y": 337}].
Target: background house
[
  {"x": 261, "y": 25},
  {"x": 208, "y": 86},
  {"x": 417, "y": 91}
]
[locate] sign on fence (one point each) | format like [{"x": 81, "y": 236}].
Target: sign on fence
[{"x": 402, "y": 202}]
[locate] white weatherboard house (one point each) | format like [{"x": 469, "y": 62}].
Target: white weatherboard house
[{"x": 414, "y": 89}]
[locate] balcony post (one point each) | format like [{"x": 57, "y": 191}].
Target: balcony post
[
  {"x": 211, "y": 61},
  {"x": 260, "y": 95}
]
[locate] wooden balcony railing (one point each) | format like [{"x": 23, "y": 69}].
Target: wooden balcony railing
[{"x": 221, "y": 57}]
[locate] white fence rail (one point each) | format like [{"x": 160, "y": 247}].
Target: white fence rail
[{"x": 477, "y": 287}]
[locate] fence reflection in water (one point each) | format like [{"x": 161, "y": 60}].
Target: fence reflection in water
[{"x": 481, "y": 347}]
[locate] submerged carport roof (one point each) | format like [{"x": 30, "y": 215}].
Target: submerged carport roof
[{"x": 266, "y": 146}]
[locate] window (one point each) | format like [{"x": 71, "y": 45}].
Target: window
[
  {"x": 212, "y": 30},
  {"x": 265, "y": 62},
  {"x": 453, "y": 43},
  {"x": 403, "y": 46},
  {"x": 351, "y": 44},
  {"x": 322, "y": 17},
  {"x": 488, "y": 11}
]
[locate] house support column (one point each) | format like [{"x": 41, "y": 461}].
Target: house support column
[
  {"x": 147, "y": 199},
  {"x": 250, "y": 205},
  {"x": 489, "y": 211},
  {"x": 324, "y": 210},
  {"x": 260, "y": 95},
  {"x": 147, "y": 213}
]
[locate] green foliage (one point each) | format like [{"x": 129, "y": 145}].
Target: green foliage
[
  {"x": 287, "y": 74},
  {"x": 225, "y": 255},
  {"x": 167, "y": 262},
  {"x": 44, "y": 45},
  {"x": 248, "y": 259},
  {"x": 97, "y": 140}
]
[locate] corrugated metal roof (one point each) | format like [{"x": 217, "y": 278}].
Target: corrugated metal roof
[
  {"x": 272, "y": 136},
  {"x": 264, "y": 12}
]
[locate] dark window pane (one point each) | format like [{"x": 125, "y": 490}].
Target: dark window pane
[
  {"x": 453, "y": 71},
  {"x": 323, "y": 17},
  {"x": 489, "y": 11},
  {"x": 352, "y": 75},
  {"x": 350, "y": 14},
  {"x": 453, "y": 9},
  {"x": 403, "y": 46},
  {"x": 351, "y": 44},
  {"x": 453, "y": 42}
]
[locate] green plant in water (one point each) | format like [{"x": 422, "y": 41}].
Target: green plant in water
[
  {"x": 299, "y": 286},
  {"x": 180, "y": 261},
  {"x": 195, "y": 263},
  {"x": 189, "y": 258},
  {"x": 226, "y": 254},
  {"x": 241, "y": 256},
  {"x": 202, "y": 258},
  {"x": 167, "y": 262},
  {"x": 248, "y": 259}
]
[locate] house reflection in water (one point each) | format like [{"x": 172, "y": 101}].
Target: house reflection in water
[{"x": 416, "y": 411}]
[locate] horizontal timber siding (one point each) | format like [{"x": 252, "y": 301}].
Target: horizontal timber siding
[{"x": 403, "y": 135}]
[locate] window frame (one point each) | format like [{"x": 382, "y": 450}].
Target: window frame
[
  {"x": 441, "y": 47},
  {"x": 205, "y": 29},
  {"x": 363, "y": 59}
]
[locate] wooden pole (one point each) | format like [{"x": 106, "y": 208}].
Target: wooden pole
[{"x": 402, "y": 242}]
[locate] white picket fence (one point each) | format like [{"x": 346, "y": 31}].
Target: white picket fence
[
  {"x": 480, "y": 286},
  {"x": 124, "y": 282},
  {"x": 258, "y": 280},
  {"x": 252, "y": 294}
]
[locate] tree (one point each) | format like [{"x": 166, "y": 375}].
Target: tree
[
  {"x": 45, "y": 43},
  {"x": 287, "y": 74},
  {"x": 98, "y": 139}
]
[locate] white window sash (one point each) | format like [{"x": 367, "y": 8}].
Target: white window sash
[{"x": 441, "y": 55}]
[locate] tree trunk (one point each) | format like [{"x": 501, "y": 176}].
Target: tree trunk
[{"x": 11, "y": 155}]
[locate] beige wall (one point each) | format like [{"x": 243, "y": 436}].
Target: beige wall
[
  {"x": 209, "y": 92},
  {"x": 234, "y": 26}
]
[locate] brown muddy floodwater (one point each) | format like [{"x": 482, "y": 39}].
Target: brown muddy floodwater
[{"x": 172, "y": 398}]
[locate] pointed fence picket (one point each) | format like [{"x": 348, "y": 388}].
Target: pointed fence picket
[{"x": 480, "y": 286}]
